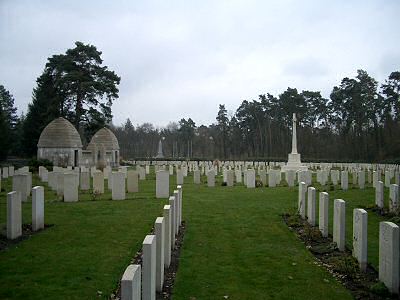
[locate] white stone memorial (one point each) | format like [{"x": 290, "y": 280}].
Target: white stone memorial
[
  {"x": 211, "y": 178},
  {"x": 118, "y": 186},
  {"x": 196, "y": 177},
  {"x": 37, "y": 208},
  {"x": 149, "y": 267},
  {"x": 167, "y": 235},
  {"x": 360, "y": 227},
  {"x": 159, "y": 230},
  {"x": 70, "y": 188},
  {"x": 179, "y": 176},
  {"x": 85, "y": 181},
  {"x": 389, "y": 255},
  {"x": 229, "y": 177},
  {"x": 344, "y": 180},
  {"x": 290, "y": 176},
  {"x": 379, "y": 194},
  {"x": 339, "y": 223},
  {"x": 19, "y": 184},
  {"x": 133, "y": 181},
  {"x": 311, "y": 205},
  {"x": 172, "y": 204},
  {"x": 302, "y": 199},
  {"x": 294, "y": 161},
  {"x": 179, "y": 187},
  {"x": 394, "y": 198},
  {"x": 162, "y": 184},
  {"x": 98, "y": 182},
  {"x": 14, "y": 215},
  {"x": 323, "y": 223},
  {"x": 131, "y": 283},
  {"x": 251, "y": 179}
]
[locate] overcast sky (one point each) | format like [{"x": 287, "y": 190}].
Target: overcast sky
[{"x": 180, "y": 59}]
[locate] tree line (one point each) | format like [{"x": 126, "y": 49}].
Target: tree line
[{"x": 359, "y": 122}]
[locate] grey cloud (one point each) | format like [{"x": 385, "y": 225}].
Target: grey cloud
[{"x": 182, "y": 58}]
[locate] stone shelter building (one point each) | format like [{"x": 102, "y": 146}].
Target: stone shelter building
[{"x": 61, "y": 143}]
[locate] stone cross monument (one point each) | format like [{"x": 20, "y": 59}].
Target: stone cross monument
[
  {"x": 294, "y": 161},
  {"x": 160, "y": 152}
]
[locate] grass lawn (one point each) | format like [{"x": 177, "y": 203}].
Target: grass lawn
[
  {"x": 235, "y": 245},
  {"x": 85, "y": 252}
]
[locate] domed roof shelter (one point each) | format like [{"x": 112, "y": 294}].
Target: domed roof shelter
[
  {"x": 106, "y": 138},
  {"x": 60, "y": 143},
  {"x": 104, "y": 149},
  {"x": 60, "y": 133}
]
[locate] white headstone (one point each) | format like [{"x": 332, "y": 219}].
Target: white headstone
[
  {"x": 387, "y": 178},
  {"x": 167, "y": 235},
  {"x": 37, "y": 208},
  {"x": 173, "y": 220},
  {"x": 360, "y": 227},
  {"x": 323, "y": 223},
  {"x": 379, "y": 194},
  {"x": 271, "y": 178},
  {"x": 162, "y": 184},
  {"x": 149, "y": 267},
  {"x": 11, "y": 171},
  {"x": 142, "y": 173},
  {"x": 302, "y": 199},
  {"x": 238, "y": 176},
  {"x": 20, "y": 182},
  {"x": 85, "y": 181},
  {"x": 339, "y": 224},
  {"x": 361, "y": 179},
  {"x": 290, "y": 175},
  {"x": 14, "y": 215},
  {"x": 98, "y": 182},
  {"x": 229, "y": 177},
  {"x": 389, "y": 255},
  {"x": 311, "y": 206},
  {"x": 211, "y": 178},
  {"x": 70, "y": 188},
  {"x": 131, "y": 283},
  {"x": 179, "y": 187},
  {"x": 118, "y": 186},
  {"x": 394, "y": 198},
  {"x": 251, "y": 178},
  {"x": 5, "y": 172},
  {"x": 159, "y": 229},
  {"x": 133, "y": 181},
  {"x": 177, "y": 211},
  {"x": 179, "y": 177},
  {"x": 344, "y": 180},
  {"x": 196, "y": 177}
]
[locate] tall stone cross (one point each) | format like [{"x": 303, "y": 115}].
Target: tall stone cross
[{"x": 294, "y": 138}]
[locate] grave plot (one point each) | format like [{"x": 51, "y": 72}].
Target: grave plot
[{"x": 236, "y": 245}]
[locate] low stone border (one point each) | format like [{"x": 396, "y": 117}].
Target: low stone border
[
  {"x": 169, "y": 274},
  {"x": 341, "y": 264},
  {"x": 27, "y": 232}
]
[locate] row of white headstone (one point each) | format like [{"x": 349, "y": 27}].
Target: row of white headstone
[
  {"x": 67, "y": 182},
  {"x": 389, "y": 264},
  {"x": 142, "y": 281},
  {"x": 263, "y": 164},
  {"x": 393, "y": 196},
  {"x": 14, "y": 212}
]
